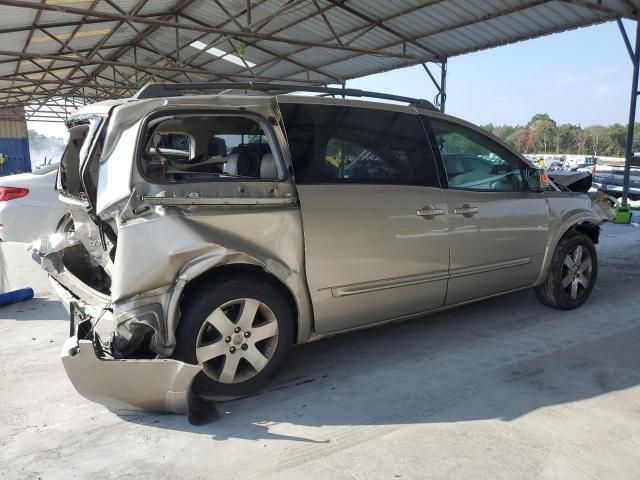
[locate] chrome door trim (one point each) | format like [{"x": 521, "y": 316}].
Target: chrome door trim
[
  {"x": 464, "y": 271},
  {"x": 319, "y": 336},
  {"x": 387, "y": 283}
]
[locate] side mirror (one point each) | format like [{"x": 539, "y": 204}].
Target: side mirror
[{"x": 536, "y": 179}]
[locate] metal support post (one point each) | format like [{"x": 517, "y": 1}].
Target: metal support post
[
  {"x": 441, "y": 96},
  {"x": 442, "y": 99},
  {"x": 635, "y": 59}
]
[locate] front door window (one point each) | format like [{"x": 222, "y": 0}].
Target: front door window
[{"x": 475, "y": 162}]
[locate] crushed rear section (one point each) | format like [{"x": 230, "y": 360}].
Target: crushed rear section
[{"x": 160, "y": 194}]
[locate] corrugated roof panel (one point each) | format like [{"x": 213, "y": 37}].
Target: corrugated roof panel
[
  {"x": 433, "y": 28},
  {"x": 48, "y": 16},
  {"x": 154, "y": 6},
  {"x": 369, "y": 61},
  {"x": 12, "y": 17},
  {"x": 123, "y": 33},
  {"x": 269, "y": 21},
  {"x": 89, "y": 35},
  {"x": 319, "y": 56},
  {"x": 313, "y": 29},
  {"x": 380, "y": 10},
  {"x": 374, "y": 38},
  {"x": 14, "y": 41},
  {"x": 7, "y": 68}
]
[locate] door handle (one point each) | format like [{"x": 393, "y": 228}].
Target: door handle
[
  {"x": 429, "y": 212},
  {"x": 466, "y": 210}
]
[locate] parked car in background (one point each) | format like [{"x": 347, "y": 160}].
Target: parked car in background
[
  {"x": 29, "y": 205},
  {"x": 291, "y": 218},
  {"x": 554, "y": 167},
  {"x": 610, "y": 180}
]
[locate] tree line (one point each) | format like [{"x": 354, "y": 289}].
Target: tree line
[{"x": 543, "y": 135}]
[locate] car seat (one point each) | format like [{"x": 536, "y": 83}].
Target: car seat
[
  {"x": 268, "y": 167},
  {"x": 237, "y": 164}
]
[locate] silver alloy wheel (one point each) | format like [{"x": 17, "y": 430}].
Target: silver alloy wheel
[
  {"x": 237, "y": 340},
  {"x": 577, "y": 268}
]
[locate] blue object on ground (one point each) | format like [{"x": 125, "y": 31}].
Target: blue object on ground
[{"x": 16, "y": 296}]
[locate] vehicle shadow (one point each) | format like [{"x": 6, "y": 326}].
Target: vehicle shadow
[
  {"x": 448, "y": 368},
  {"x": 497, "y": 359},
  {"x": 38, "y": 308}
]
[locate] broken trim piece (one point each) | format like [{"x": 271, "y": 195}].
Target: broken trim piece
[{"x": 125, "y": 385}]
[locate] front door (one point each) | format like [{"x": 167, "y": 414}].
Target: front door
[
  {"x": 374, "y": 217},
  {"x": 498, "y": 226}
]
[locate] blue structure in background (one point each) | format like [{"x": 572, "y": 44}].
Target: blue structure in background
[{"x": 16, "y": 155}]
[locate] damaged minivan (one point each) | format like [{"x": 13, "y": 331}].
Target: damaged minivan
[{"x": 212, "y": 227}]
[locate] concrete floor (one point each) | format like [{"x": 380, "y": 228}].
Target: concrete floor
[{"x": 506, "y": 388}]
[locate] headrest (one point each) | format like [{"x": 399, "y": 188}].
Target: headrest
[
  {"x": 238, "y": 164},
  {"x": 268, "y": 168},
  {"x": 231, "y": 167}
]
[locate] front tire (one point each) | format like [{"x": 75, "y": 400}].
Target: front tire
[
  {"x": 240, "y": 330},
  {"x": 572, "y": 273}
]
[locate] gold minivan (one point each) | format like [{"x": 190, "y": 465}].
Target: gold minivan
[{"x": 210, "y": 232}]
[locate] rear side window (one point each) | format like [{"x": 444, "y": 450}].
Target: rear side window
[
  {"x": 340, "y": 144},
  {"x": 70, "y": 179},
  {"x": 69, "y": 176},
  {"x": 198, "y": 147}
]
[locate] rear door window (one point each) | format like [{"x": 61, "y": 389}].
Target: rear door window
[
  {"x": 199, "y": 147},
  {"x": 341, "y": 144}
]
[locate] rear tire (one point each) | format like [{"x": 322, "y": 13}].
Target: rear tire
[
  {"x": 240, "y": 329},
  {"x": 572, "y": 273}
]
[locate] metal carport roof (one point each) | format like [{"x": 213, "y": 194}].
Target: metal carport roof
[{"x": 55, "y": 53}]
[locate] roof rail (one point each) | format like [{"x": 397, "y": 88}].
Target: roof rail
[{"x": 159, "y": 90}]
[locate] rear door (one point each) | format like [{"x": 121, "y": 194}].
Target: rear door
[
  {"x": 374, "y": 216},
  {"x": 77, "y": 182},
  {"x": 498, "y": 226}
]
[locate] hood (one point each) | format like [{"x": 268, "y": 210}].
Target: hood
[{"x": 572, "y": 181}]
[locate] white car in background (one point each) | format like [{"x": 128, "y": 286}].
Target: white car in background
[{"x": 29, "y": 205}]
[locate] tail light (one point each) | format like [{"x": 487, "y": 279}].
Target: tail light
[
  {"x": 593, "y": 170},
  {"x": 11, "y": 193}
]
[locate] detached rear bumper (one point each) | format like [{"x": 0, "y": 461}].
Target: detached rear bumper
[
  {"x": 124, "y": 385},
  {"x": 121, "y": 385}
]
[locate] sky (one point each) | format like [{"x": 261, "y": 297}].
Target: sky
[{"x": 582, "y": 76}]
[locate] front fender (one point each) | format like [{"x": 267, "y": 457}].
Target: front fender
[{"x": 560, "y": 222}]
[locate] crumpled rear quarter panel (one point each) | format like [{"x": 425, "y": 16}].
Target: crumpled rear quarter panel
[{"x": 160, "y": 252}]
